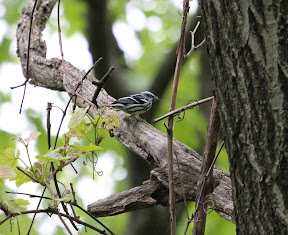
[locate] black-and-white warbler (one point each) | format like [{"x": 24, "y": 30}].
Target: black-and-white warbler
[{"x": 135, "y": 104}]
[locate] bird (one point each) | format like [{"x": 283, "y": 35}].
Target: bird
[{"x": 135, "y": 104}]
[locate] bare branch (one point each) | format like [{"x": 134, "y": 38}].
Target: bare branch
[
  {"x": 193, "y": 47},
  {"x": 205, "y": 184},
  {"x": 177, "y": 111}
]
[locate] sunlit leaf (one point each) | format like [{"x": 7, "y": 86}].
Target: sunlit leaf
[
  {"x": 8, "y": 158},
  {"x": 86, "y": 149},
  {"x": 21, "y": 178},
  {"x": 102, "y": 133},
  {"x": 52, "y": 156},
  {"x": 41, "y": 169},
  {"x": 15, "y": 204},
  {"x": 115, "y": 120},
  {"x": 66, "y": 198},
  {"x": 77, "y": 117},
  {"x": 81, "y": 130},
  {"x": 21, "y": 202}
]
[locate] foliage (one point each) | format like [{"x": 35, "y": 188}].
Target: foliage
[{"x": 39, "y": 171}]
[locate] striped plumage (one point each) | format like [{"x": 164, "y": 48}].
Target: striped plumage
[{"x": 135, "y": 104}]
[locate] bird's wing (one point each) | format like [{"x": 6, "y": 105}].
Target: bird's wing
[{"x": 133, "y": 99}]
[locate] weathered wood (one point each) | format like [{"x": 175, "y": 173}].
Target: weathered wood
[{"x": 141, "y": 137}]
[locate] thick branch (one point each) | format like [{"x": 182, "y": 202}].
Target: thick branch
[{"x": 136, "y": 134}]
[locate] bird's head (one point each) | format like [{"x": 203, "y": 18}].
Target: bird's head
[{"x": 149, "y": 95}]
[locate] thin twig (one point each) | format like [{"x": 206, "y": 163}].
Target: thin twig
[
  {"x": 72, "y": 159},
  {"x": 205, "y": 184},
  {"x": 63, "y": 222},
  {"x": 182, "y": 187},
  {"x": 180, "y": 57},
  {"x": 72, "y": 209},
  {"x": 6, "y": 218},
  {"x": 76, "y": 88},
  {"x": 193, "y": 47},
  {"x": 49, "y": 108},
  {"x": 215, "y": 158},
  {"x": 73, "y": 193},
  {"x": 179, "y": 110},
  {"x": 100, "y": 84},
  {"x": 30, "y": 176},
  {"x": 84, "y": 77},
  {"x": 30, "y": 195},
  {"x": 85, "y": 99},
  {"x": 48, "y": 124},
  {"x": 28, "y": 57},
  {"x": 52, "y": 210},
  {"x": 34, "y": 216},
  {"x": 60, "y": 43},
  {"x": 93, "y": 217}
]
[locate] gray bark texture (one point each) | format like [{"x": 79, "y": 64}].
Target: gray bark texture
[
  {"x": 248, "y": 47},
  {"x": 135, "y": 133}
]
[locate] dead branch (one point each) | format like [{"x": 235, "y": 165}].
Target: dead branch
[
  {"x": 148, "y": 142},
  {"x": 205, "y": 183}
]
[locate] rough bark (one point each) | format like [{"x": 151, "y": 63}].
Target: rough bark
[{"x": 247, "y": 44}]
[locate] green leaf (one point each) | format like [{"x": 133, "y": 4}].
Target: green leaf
[
  {"x": 53, "y": 156},
  {"x": 86, "y": 149},
  {"x": 21, "y": 178},
  {"x": 42, "y": 170},
  {"x": 6, "y": 172},
  {"x": 33, "y": 136},
  {"x": 15, "y": 203},
  {"x": 82, "y": 129},
  {"x": 115, "y": 120},
  {"x": 102, "y": 133},
  {"x": 77, "y": 117},
  {"x": 66, "y": 198},
  {"x": 8, "y": 158},
  {"x": 21, "y": 202}
]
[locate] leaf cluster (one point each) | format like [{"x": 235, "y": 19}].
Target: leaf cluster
[{"x": 39, "y": 171}]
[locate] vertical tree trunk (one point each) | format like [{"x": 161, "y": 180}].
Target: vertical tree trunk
[{"x": 247, "y": 44}]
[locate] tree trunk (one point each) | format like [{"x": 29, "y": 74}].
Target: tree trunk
[{"x": 247, "y": 44}]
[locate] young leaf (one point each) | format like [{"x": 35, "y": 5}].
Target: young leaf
[
  {"x": 86, "y": 149},
  {"x": 41, "y": 170},
  {"x": 14, "y": 204},
  {"x": 21, "y": 202},
  {"x": 52, "y": 156},
  {"x": 8, "y": 158},
  {"x": 66, "y": 198},
  {"x": 77, "y": 117},
  {"x": 21, "y": 178},
  {"x": 6, "y": 172},
  {"x": 115, "y": 120},
  {"x": 81, "y": 130},
  {"x": 74, "y": 152},
  {"x": 33, "y": 136},
  {"x": 102, "y": 133},
  {"x": 15, "y": 139}
]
